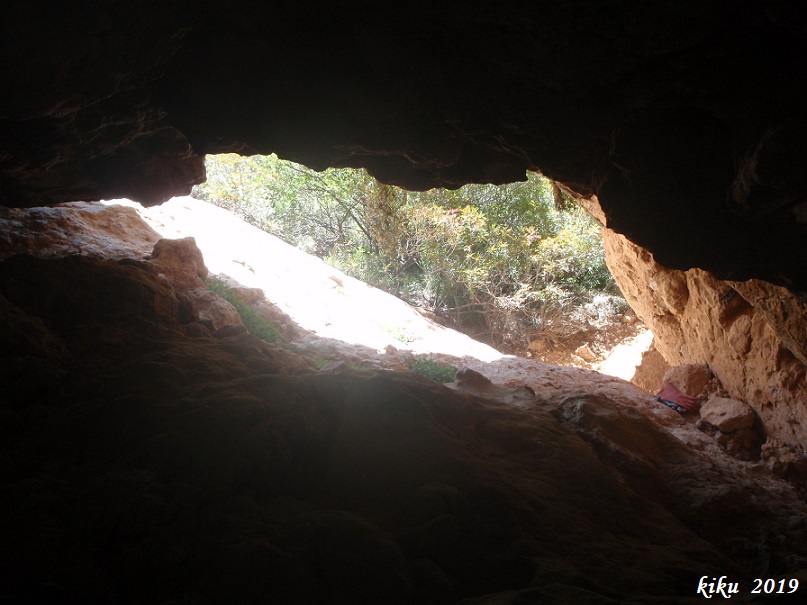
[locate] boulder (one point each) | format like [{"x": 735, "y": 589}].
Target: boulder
[
  {"x": 108, "y": 231},
  {"x": 181, "y": 261},
  {"x": 212, "y": 310},
  {"x": 694, "y": 379},
  {"x": 786, "y": 461},
  {"x": 472, "y": 379},
  {"x": 649, "y": 374},
  {"x": 728, "y": 415},
  {"x": 585, "y": 353}
]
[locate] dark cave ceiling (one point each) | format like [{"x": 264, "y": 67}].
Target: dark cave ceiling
[{"x": 685, "y": 118}]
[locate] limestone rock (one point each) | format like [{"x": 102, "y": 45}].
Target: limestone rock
[
  {"x": 103, "y": 231},
  {"x": 786, "y": 461},
  {"x": 182, "y": 260},
  {"x": 209, "y": 309},
  {"x": 650, "y": 372},
  {"x": 782, "y": 309},
  {"x": 728, "y": 415},
  {"x": 714, "y": 324},
  {"x": 694, "y": 379},
  {"x": 32, "y": 361},
  {"x": 77, "y": 292},
  {"x": 335, "y": 366},
  {"x": 743, "y": 444},
  {"x": 169, "y": 465},
  {"x": 472, "y": 379},
  {"x": 585, "y": 353},
  {"x": 739, "y": 335},
  {"x": 257, "y": 300}
]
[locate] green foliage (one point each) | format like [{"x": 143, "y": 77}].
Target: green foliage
[
  {"x": 255, "y": 323},
  {"x": 439, "y": 372},
  {"x": 400, "y": 334},
  {"x": 318, "y": 212},
  {"x": 497, "y": 260}
]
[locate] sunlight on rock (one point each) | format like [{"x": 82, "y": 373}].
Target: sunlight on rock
[
  {"x": 317, "y": 296},
  {"x": 623, "y": 359}
]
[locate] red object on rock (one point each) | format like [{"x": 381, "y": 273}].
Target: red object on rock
[{"x": 670, "y": 394}]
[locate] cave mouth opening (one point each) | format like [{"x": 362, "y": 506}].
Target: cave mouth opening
[{"x": 519, "y": 267}]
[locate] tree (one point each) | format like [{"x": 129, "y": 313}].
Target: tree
[{"x": 498, "y": 260}]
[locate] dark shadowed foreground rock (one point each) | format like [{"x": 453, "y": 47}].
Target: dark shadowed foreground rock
[{"x": 146, "y": 461}]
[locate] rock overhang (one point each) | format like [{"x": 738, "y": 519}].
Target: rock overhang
[{"x": 684, "y": 119}]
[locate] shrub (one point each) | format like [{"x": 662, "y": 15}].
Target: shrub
[
  {"x": 255, "y": 323},
  {"x": 428, "y": 368},
  {"x": 497, "y": 260}
]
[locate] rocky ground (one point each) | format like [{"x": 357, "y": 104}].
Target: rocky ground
[{"x": 154, "y": 451}]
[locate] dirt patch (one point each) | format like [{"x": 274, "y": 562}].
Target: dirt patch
[{"x": 588, "y": 347}]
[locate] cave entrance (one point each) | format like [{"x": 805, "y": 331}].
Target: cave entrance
[{"x": 519, "y": 267}]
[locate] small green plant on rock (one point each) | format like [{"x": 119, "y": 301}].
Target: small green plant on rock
[
  {"x": 399, "y": 333},
  {"x": 433, "y": 370},
  {"x": 255, "y": 323}
]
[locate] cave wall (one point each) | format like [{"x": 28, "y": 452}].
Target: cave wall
[
  {"x": 686, "y": 119},
  {"x": 750, "y": 334}
]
